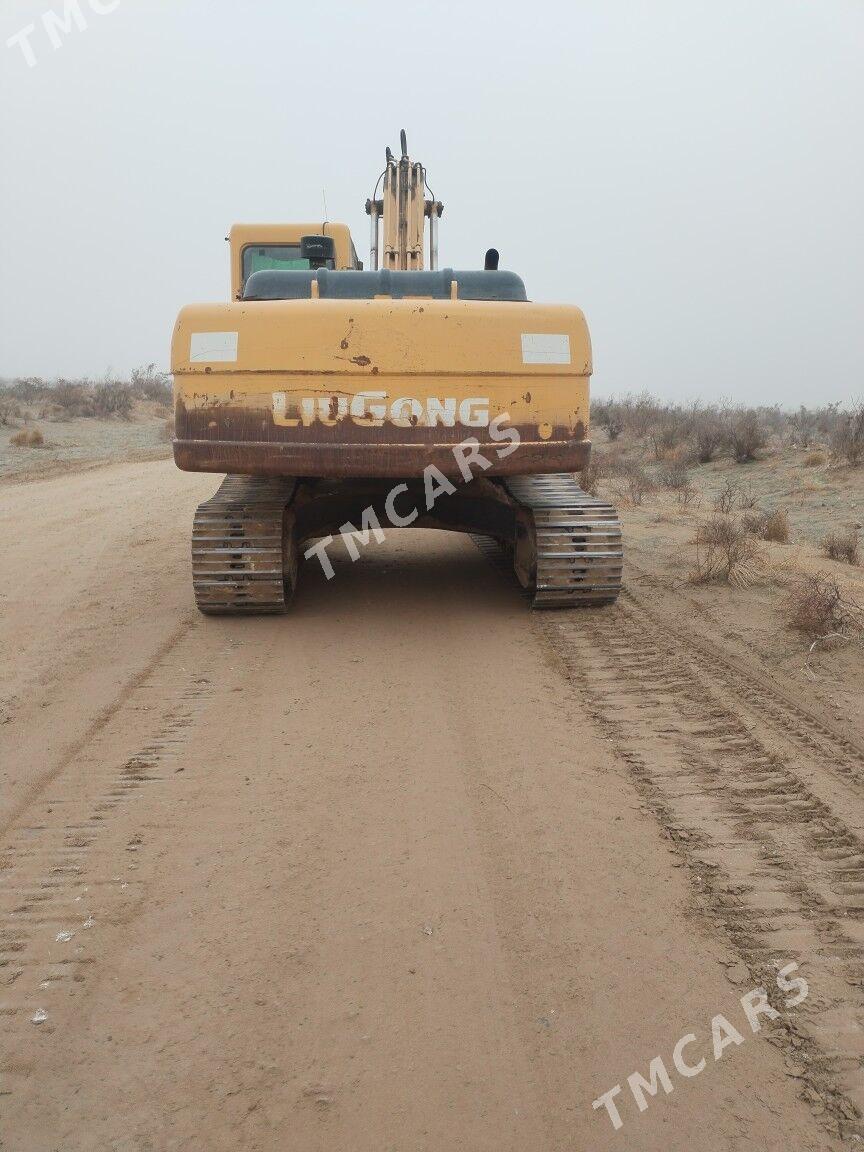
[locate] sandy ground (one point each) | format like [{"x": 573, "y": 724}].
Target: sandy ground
[
  {"x": 409, "y": 869},
  {"x": 76, "y": 445}
]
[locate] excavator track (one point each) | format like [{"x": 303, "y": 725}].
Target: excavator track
[
  {"x": 238, "y": 552},
  {"x": 577, "y": 542},
  {"x": 567, "y": 552}
]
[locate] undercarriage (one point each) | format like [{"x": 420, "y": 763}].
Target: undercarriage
[{"x": 249, "y": 540}]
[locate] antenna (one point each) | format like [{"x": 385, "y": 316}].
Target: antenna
[{"x": 324, "y": 198}]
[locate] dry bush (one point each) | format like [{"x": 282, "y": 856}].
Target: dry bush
[
  {"x": 773, "y": 420},
  {"x": 667, "y": 435},
  {"x": 614, "y": 427},
  {"x": 725, "y": 553},
  {"x": 151, "y": 384},
  {"x": 636, "y": 415},
  {"x": 746, "y": 436},
  {"x": 772, "y": 526},
  {"x": 72, "y": 398},
  {"x": 28, "y": 389},
  {"x": 814, "y": 605},
  {"x": 847, "y": 437},
  {"x": 639, "y": 413},
  {"x": 113, "y": 398},
  {"x": 54, "y": 413},
  {"x": 606, "y": 414},
  {"x": 639, "y": 482},
  {"x": 707, "y": 431},
  {"x": 726, "y": 498},
  {"x": 707, "y": 436},
  {"x": 775, "y": 526},
  {"x": 688, "y": 455},
  {"x": 674, "y": 475},
  {"x": 747, "y": 497},
  {"x": 10, "y": 411},
  {"x": 814, "y": 459},
  {"x": 590, "y": 476},
  {"x": 167, "y": 434},
  {"x": 687, "y": 495},
  {"x": 826, "y": 419},
  {"x": 67, "y": 399},
  {"x": 28, "y": 438},
  {"x": 844, "y": 546},
  {"x": 801, "y": 427}
]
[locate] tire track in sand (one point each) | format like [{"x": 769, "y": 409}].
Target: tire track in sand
[
  {"x": 763, "y": 815},
  {"x": 63, "y": 870}
]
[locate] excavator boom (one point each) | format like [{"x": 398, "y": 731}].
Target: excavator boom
[{"x": 403, "y": 211}]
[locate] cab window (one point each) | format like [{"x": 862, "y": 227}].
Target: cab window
[{"x": 282, "y": 257}]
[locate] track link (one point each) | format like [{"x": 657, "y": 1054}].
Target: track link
[
  {"x": 238, "y": 556},
  {"x": 577, "y": 540}
]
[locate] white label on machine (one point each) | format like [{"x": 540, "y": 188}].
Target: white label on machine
[
  {"x": 543, "y": 348},
  {"x": 214, "y": 347}
]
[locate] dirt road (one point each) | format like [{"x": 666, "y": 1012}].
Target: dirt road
[{"x": 408, "y": 869}]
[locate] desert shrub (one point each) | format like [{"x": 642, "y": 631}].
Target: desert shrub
[
  {"x": 826, "y": 419},
  {"x": 772, "y": 526},
  {"x": 774, "y": 420},
  {"x": 639, "y": 413},
  {"x": 10, "y": 410},
  {"x": 28, "y": 438},
  {"x": 746, "y": 435},
  {"x": 667, "y": 435},
  {"x": 28, "y": 389},
  {"x": 802, "y": 427},
  {"x": 725, "y": 552},
  {"x": 606, "y": 414},
  {"x": 72, "y": 398},
  {"x": 707, "y": 436},
  {"x": 53, "y": 412},
  {"x": 847, "y": 437},
  {"x": 674, "y": 475},
  {"x": 775, "y": 526},
  {"x": 813, "y": 605},
  {"x": 741, "y": 432},
  {"x": 688, "y": 494},
  {"x": 590, "y": 476},
  {"x": 636, "y": 415},
  {"x": 844, "y": 546},
  {"x": 707, "y": 431},
  {"x": 113, "y": 398},
  {"x": 726, "y": 498},
  {"x": 638, "y": 482},
  {"x": 814, "y": 459},
  {"x": 746, "y": 496},
  {"x": 688, "y": 455},
  {"x": 151, "y": 384}
]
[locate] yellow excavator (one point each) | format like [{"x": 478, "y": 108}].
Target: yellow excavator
[{"x": 343, "y": 401}]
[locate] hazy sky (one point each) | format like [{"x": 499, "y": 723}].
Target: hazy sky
[{"x": 690, "y": 172}]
